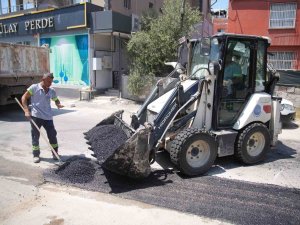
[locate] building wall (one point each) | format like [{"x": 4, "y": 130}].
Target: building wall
[
  {"x": 252, "y": 17},
  {"x": 100, "y": 46},
  {"x": 137, "y": 6},
  {"x": 98, "y": 2},
  {"x": 220, "y": 25}
]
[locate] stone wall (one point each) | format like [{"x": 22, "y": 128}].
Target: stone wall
[
  {"x": 289, "y": 93},
  {"x": 126, "y": 94}
]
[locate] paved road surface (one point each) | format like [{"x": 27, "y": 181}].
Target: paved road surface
[
  {"x": 237, "y": 202},
  {"x": 224, "y": 196}
]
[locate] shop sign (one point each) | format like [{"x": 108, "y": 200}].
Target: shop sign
[{"x": 31, "y": 25}]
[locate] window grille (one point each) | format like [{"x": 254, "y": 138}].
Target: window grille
[
  {"x": 283, "y": 60},
  {"x": 283, "y": 15}
]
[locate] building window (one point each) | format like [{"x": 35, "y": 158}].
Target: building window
[
  {"x": 260, "y": 67},
  {"x": 127, "y": 4},
  {"x": 80, "y": 1},
  {"x": 220, "y": 13},
  {"x": 283, "y": 15},
  {"x": 283, "y": 60},
  {"x": 151, "y": 5},
  {"x": 9, "y": 6}
]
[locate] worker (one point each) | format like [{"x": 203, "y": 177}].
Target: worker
[
  {"x": 231, "y": 73},
  {"x": 41, "y": 113}
]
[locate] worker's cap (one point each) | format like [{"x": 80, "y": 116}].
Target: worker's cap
[{"x": 48, "y": 75}]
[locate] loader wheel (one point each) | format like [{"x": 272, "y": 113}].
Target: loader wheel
[
  {"x": 252, "y": 143},
  {"x": 193, "y": 151}
]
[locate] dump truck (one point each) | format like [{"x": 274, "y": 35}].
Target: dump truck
[
  {"x": 20, "y": 66},
  {"x": 214, "y": 108}
]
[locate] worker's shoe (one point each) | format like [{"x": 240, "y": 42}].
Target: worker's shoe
[{"x": 36, "y": 159}]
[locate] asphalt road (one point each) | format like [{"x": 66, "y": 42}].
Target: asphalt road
[
  {"x": 266, "y": 193},
  {"x": 234, "y": 201}
]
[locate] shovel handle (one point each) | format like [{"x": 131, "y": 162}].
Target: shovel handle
[{"x": 42, "y": 134}]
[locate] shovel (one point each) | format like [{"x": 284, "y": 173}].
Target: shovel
[{"x": 62, "y": 164}]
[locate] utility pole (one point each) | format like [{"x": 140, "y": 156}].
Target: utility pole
[{"x": 182, "y": 11}]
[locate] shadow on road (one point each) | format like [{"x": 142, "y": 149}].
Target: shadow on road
[
  {"x": 57, "y": 112},
  {"x": 121, "y": 184},
  {"x": 64, "y": 158},
  {"x": 290, "y": 125},
  {"x": 13, "y": 113},
  {"x": 281, "y": 151}
]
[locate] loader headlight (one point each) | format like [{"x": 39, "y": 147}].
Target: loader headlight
[{"x": 287, "y": 106}]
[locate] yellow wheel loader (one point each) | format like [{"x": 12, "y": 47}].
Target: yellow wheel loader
[{"x": 220, "y": 104}]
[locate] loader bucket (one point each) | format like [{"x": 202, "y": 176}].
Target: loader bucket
[{"x": 131, "y": 158}]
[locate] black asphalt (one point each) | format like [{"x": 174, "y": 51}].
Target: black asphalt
[
  {"x": 227, "y": 200},
  {"x": 77, "y": 171},
  {"x": 104, "y": 140}
]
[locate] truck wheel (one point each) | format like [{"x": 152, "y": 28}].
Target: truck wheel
[
  {"x": 252, "y": 143},
  {"x": 193, "y": 151}
]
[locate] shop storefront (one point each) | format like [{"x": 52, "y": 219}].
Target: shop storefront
[
  {"x": 69, "y": 58},
  {"x": 85, "y": 42}
]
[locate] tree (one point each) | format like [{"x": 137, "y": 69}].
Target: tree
[{"x": 157, "y": 42}]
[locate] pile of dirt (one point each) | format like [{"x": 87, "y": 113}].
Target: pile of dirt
[
  {"x": 104, "y": 140},
  {"x": 77, "y": 171}
]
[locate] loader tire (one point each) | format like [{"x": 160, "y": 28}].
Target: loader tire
[
  {"x": 193, "y": 151},
  {"x": 252, "y": 143}
]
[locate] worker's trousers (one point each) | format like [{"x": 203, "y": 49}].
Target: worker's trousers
[{"x": 35, "y": 134}]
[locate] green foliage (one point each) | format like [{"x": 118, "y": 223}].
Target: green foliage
[
  {"x": 138, "y": 83},
  {"x": 158, "y": 41},
  {"x": 146, "y": 19}
]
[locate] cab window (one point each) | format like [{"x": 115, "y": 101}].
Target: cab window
[
  {"x": 260, "y": 65},
  {"x": 236, "y": 83}
]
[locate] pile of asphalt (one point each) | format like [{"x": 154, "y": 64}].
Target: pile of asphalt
[
  {"x": 104, "y": 140},
  {"x": 77, "y": 171},
  {"x": 237, "y": 202}
]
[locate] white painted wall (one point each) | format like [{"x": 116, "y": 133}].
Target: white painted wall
[
  {"x": 102, "y": 42},
  {"x": 104, "y": 76},
  {"x": 107, "y": 45},
  {"x": 98, "y": 2},
  {"x": 102, "y": 47}
]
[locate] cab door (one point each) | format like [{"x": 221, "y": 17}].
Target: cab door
[{"x": 236, "y": 83}]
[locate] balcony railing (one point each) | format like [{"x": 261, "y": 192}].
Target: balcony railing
[
  {"x": 17, "y": 8},
  {"x": 283, "y": 60},
  {"x": 35, "y": 5}
]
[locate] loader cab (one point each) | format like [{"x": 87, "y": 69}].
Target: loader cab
[
  {"x": 199, "y": 57},
  {"x": 240, "y": 65},
  {"x": 242, "y": 62}
]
